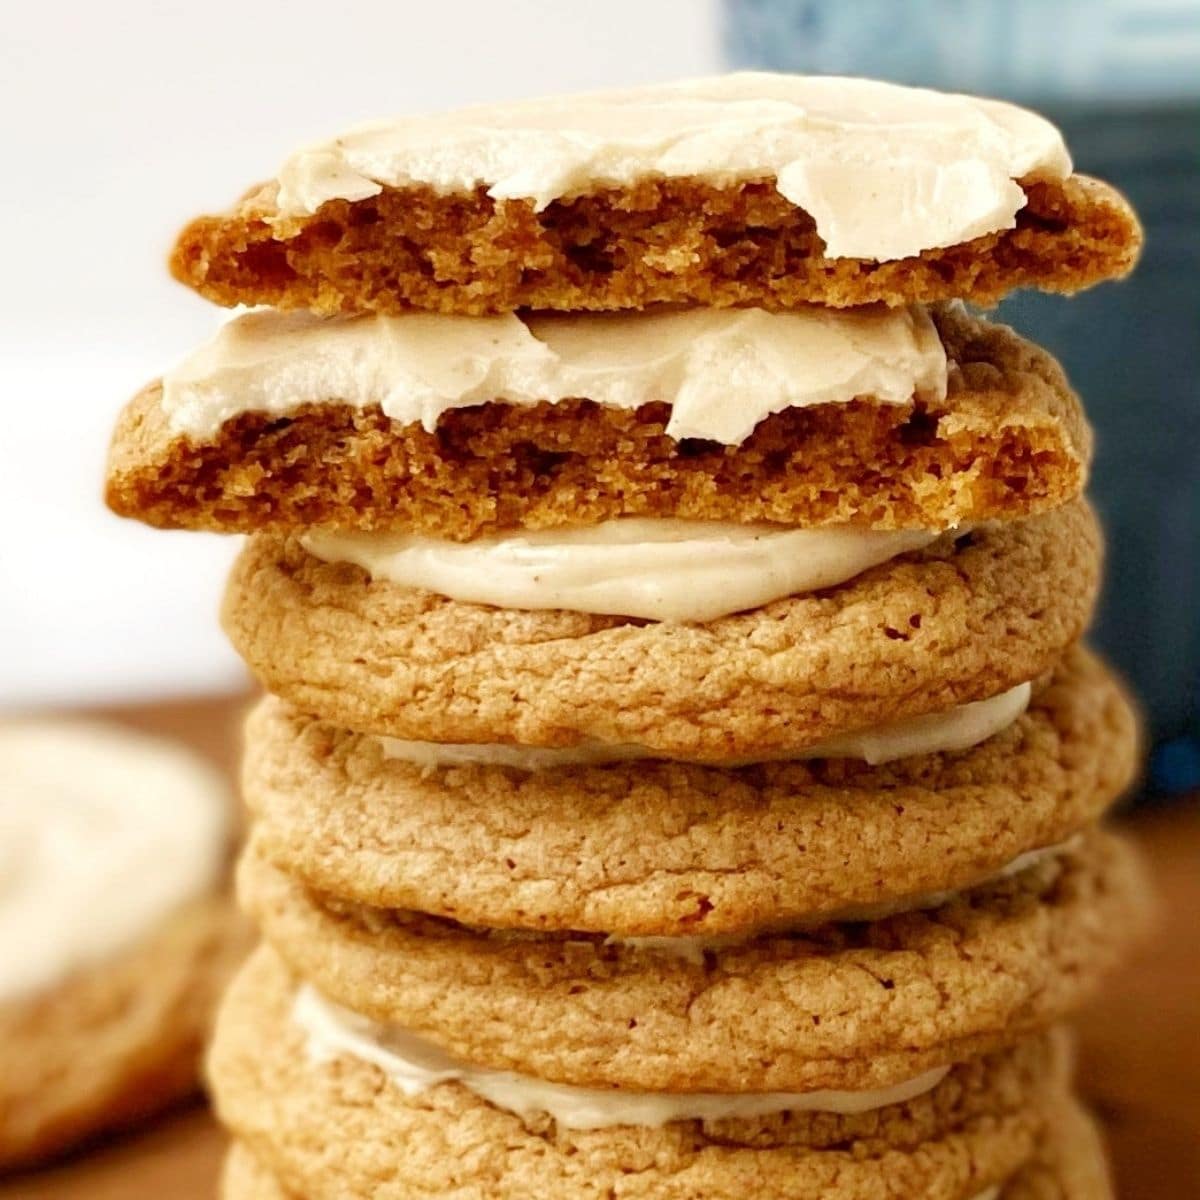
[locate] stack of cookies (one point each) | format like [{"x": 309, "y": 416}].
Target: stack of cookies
[{"x": 681, "y": 769}]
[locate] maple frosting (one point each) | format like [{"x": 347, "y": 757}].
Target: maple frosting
[
  {"x": 722, "y": 371},
  {"x": 885, "y": 171},
  {"x": 105, "y": 832},
  {"x": 654, "y": 568},
  {"x": 414, "y": 1065},
  {"x": 949, "y": 732}
]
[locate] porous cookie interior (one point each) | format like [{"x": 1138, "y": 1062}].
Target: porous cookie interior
[
  {"x": 965, "y": 619},
  {"x": 1009, "y": 440},
  {"x": 675, "y": 241}
]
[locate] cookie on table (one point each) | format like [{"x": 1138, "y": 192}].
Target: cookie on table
[
  {"x": 979, "y": 1126},
  {"x": 850, "y": 1005},
  {"x": 459, "y": 428},
  {"x": 116, "y": 931},
  {"x": 744, "y": 189},
  {"x": 655, "y": 848},
  {"x": 967, "y": 618}
]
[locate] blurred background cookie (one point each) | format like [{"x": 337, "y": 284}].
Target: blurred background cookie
[{"x": 116, "y": 929}]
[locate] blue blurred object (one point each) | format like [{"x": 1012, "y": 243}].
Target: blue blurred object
[{"x": 1122, "y": 80}]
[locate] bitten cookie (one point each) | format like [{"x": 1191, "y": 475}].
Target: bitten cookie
[
  {"x": 856, "y": 1005},
  {"x": 116, "y": 935},
  {"x": 963, "y": 620},
  {"x": 278, "y": 424},
  {"x": 340, "y": 1128},
  {"x": 660, "y": 848},
  {"x": 723, "y": 191}
]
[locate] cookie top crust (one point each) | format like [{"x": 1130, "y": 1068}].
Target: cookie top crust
[
  {"x": 963, "y": 620},
  {"x": 670, "y": 849},
  {"x": 1005, "y": 438},
  {"x": 979, "y": 1127},
  {"x": 852, "y": 1006},
  {"x": 741, "y": 189}
]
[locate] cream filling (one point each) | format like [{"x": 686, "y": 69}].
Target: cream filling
[
  {"x": 933, "y": 733},
  {"x": 105, "y": 832},
  {"x": 658, "y": 569},
  {"x": 693, "y": 948},
  {"x": 885, "y": 171},
  {"x": 414, "y": 1065},
  {"x": 722, "y": 371}
]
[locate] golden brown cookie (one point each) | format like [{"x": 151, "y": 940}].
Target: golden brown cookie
[
  {"x": 1069, "y": 1164},
  {"x": 846, "y": 1006},
  {"x": 1010, "y": 439},
  {"x": 660, "y": 241},
  {"x": 118, "y": 1041},
  {"x": 965, "y": 619},
  {"x": 660, "y": 848},
  {"x": 340, "y": 1129}
]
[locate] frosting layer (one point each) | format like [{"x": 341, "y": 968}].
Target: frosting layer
[
  {"x": 105, "y": 833},
  {"x": 658, "y": 569},
  {"x": 933, "y": 733},
  {"x": 721, "y": 370},
  {"x": 885, "y": 171},
  {"x": 414, "y": 1065}
]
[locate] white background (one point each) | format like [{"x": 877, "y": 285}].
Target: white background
[{"x": 121, "y": 121}]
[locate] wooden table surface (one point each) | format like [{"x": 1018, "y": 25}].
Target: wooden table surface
[{"x": 1140, "y": 1065}]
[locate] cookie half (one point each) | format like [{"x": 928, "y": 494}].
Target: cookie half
[
  {"x": 761, "y": 189},
  {"x": 855, "y": 1005},
  {"x": 659, "y": 848},
  {"x": 968, "y": 618},
  {"x": 1007, "y": 439},
  {"x": 978, "y": 1128}
]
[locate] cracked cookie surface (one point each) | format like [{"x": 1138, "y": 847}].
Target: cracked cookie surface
[
  {"x": 661, "y": 848},
  {"x": 846, "y": 1006},
  {"x": 341, "y": 1129},
  {"x": 963, "y": 620}
]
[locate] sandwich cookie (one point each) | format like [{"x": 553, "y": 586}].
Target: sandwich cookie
[
  {"x": 116, "y": 931},
  {"x": 843, "y": 1006},
  {"x": 328, "y": 1116},
  {"x": 498, "y": 836},
  {"x": 1068, "y": 1164},
  {"x": 964, "y": 619},
  {"x": 459, "y": 428},
  {"x": 757, "y": 189}
]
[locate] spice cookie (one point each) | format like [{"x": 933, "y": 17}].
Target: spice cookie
[
  {"x": 854, "y": 1005},
  {"x": 660, "y": 848},
  {"x": 1069, "y": 1164},
  {"x": 116, "y": 932},
  {"x": 724, "y": 191},
  {"x": 963, "y": 620},
  {"x": 970, "y": 1129},
  {"x": 885, "y": 418}
]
